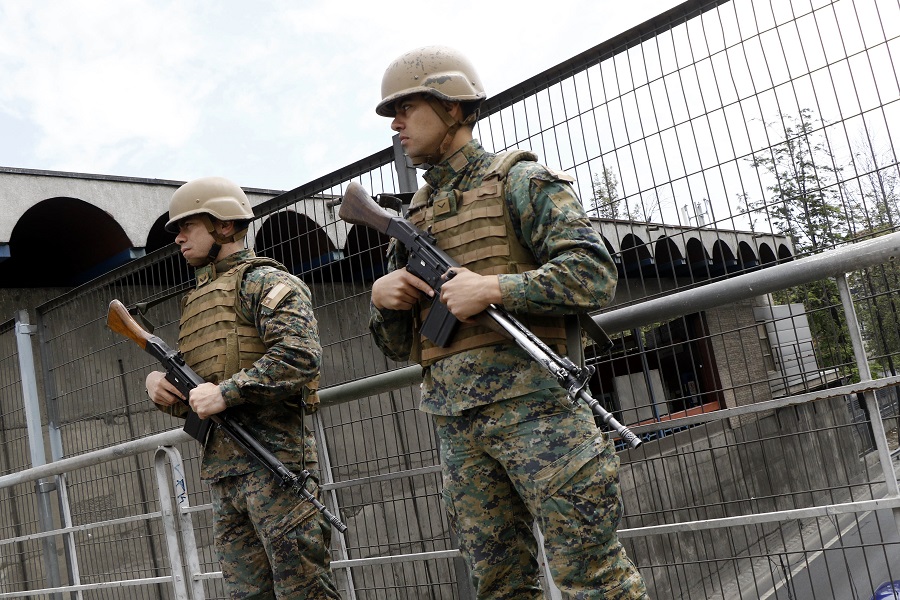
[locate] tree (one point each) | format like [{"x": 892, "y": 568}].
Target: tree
[
  {"x": 805, "y": 201},
  {"x": 607, "y": 202},
  {"x": 805, "y": 204},
  {"x": 606, "y": 199},
  {"x": 875, "y": 195}
]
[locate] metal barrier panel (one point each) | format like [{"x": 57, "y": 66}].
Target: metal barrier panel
[
  {"x": 719, "y": 139},
  {"x": 18, "y": 514}
]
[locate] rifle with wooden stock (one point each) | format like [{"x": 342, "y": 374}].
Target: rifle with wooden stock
[
  {"x": 185, "y": 379},
  {"x": 431, "y": 264}
]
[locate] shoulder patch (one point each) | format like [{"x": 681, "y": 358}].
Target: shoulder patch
[{"x": 276, "y": 295}]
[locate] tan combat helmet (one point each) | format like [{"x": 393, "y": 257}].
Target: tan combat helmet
[
  {"x": 437, "y": 71},
  {"x": 441, "y": 74},
  {"x": 208, "y": 198},
  {"x": 214, "y": 196}
]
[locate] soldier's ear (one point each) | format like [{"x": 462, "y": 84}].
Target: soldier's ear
[
  {"x": 454, "y": 109},
  {"x": 224, "y": 228}
]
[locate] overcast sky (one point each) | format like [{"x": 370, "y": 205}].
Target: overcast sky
[{"x": 268, "y": 93}]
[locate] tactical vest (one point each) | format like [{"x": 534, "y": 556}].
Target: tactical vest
[
  {"x": 475, "y": 228},
  {"x": 214, "y": 337}
]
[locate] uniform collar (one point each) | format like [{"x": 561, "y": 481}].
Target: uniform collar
[
  {"x": 455, "y": 163},
  {"x": 208, "y": 273}
]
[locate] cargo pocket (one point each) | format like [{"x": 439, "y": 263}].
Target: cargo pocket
[
  {"x": 580, "y": 512},
  {"x": 302, "y": 540},
  {"x": 577, "y": 485}
]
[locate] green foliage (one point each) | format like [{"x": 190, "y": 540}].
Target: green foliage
[
  {"x": 875, "y": 203},
  {"x": 804, "y": 203},
  {"x": 606, "y": 199}
]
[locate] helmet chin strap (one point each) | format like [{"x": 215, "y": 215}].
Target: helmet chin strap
[
  {"x": 426, "y": 161},
  {"x": 218, "y": 238}
]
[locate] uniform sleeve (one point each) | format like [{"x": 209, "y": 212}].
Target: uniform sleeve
[
  {"x": 281, "y": 308},
  {"x": 576, "y": 273},
  {"x": 392, "y": 330}
]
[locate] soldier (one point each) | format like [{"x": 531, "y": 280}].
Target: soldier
[
  {"x": 249, "y": 330},
  {"x": 514, "y": 449}
]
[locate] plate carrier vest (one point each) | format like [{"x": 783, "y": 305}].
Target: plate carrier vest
[{"x": 475, "y": 228}]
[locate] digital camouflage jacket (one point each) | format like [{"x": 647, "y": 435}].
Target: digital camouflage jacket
[{"x": 576, "y": 275}]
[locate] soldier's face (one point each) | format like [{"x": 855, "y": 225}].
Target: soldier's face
[
  {"x": 421, "y": 129},
  {"x": 194, "y": 240}
]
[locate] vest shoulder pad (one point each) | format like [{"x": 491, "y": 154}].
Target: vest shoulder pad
[
  {"x": 420, "y": 198},
  {"x": 503, "y": 162},
  {"x": 539, "y": 172}
]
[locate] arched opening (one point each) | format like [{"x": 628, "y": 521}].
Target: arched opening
[
  {"x": 668, "y": 256},
  {"x": 63, "y": 242},
  {"x": 297, "y": 242},
  {"x": 158, "y": 236},
  {"x": 698, "y": 259},
  {"x": 635, "y": 254},
  {"x": 366, "y": 254},
  {"x": 746, "y": 257},
  {"x": 723, "y": 260},
  {"x": 767, "y": 255}
]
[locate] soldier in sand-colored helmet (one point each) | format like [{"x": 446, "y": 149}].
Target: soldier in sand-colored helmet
[
  {"x": 514, "y": 449},
  {"x": 248, "y": 329}
]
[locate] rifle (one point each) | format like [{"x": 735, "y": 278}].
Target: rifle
[
  {"x": 185, "y": 379},
  {"x": 430, "y": 264}
]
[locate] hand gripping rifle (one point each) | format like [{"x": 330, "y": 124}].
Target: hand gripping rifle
[
  {"x": 185, "y": 379},
  {"x": 430, "y": 264}
]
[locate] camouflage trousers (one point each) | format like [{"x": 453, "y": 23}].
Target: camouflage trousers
[
  {"x": 271, "y": 543},
  {"x": 536, "y": 458}
]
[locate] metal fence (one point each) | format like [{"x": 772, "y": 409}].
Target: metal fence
[{"x": 738, "y": 157}]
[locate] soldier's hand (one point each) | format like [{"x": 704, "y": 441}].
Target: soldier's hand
[
  {"x": 399, "y": 290},
  {"x": 466, "y": 293},
  {"x": 161, "y": 390},
  {"x": 206, "y": 400}
]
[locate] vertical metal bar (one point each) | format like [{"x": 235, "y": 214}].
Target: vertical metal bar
[
  {"x": 406, "y": 173},
  {"x": 865, "y": 374},
  {"x": 65, "y": 513},
  {"x": 551, "y": 592},
  {"x": 185, "y": 522},
  {"x": 328, "y": 478},
  {"x": 53, "y": 432},
  {"x": 168, "y": 519},
  {"x": 862, "y": 363},
  {"x": 43, "y": 488},
  {"x": 56, "y": 453}
]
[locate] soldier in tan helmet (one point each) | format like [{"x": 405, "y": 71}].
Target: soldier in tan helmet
[
  {"x": 248, "y": 329},
  {"x": 514, "y": 449}
]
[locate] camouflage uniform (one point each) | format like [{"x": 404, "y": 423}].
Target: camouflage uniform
[
  {"x": 513, "y": 448},
  {"x": 271, "y": 543}
]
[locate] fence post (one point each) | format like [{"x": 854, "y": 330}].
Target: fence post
[
  {"x": 406, "y": 173},
  {"x": 327, "y": 479},
  {"x": 165, "y": 492},
  {"x": 43, "y": 488},
  {"x": 865, "y": 374}
]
